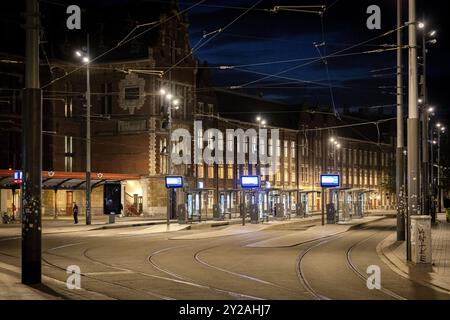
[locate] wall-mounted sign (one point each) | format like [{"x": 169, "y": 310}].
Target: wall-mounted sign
[
  {"x": 250, "y": 182},
  {"x": 131, "y": 126},
  {"x": 174, "y": 182},
  {"x": 330, "y": 181},
  {"x": 18, "y": 177}
]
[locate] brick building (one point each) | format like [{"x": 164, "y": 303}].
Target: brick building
[{"x": 128, "y": 133}]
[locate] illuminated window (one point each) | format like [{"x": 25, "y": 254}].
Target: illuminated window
[
  {"x": 221, "y": 171},
  {"x": 230, "y": 171},
  {"x": 293, "y": 150},
  {"x": 211, "y": 172},
  {"x": 200, "y": 171}
]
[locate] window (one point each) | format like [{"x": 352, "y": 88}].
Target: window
[
  {"x": 201, "y": 107},
  {"x": 163, "y": 156},
  {"x": 211, "y": 172},
  {"x": 210, "y": 108},
  {"x": 200, "y": 171},
  {"x": 278, "y": 148},
  {"x": 221, "y": 171},
  {"x": 286, "y": 151},
  {"x": 68, "y": 153},
  {"x": 68, "y": 107},
  {"x": 293, "y": 151},
  {"x": 230, "y": 171},
  {"x": 132, "y": 93},
  {"x": 107, "y": 99}
]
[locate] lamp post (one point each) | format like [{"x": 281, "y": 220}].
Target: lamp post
[
  {"x": 425, "y": 110},
  {"x": 85, "y": 59},
  {"x": 335, "y": 145},
  {"x": 262, "y": 123},
  {"x": 172, "y": 102},
  {"x": 440, "y": 130}
]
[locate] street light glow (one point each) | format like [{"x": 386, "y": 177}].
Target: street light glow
[
  {"x": 433, "y": 33},
  {"x": 263, "y": 122},
  {"x": 162, "y": 92},
  {"x": 438, "y": 125},
  {"x": 85, "y": 59},
  {"x": 258, "y": 119},
  {"x": 332, "y": 140},
  {"x": 421, "y": 25},
  {"x": 78, "y": 53},
  {"x": 176, "y": 102},
  {"x": 169, "y": 96}
]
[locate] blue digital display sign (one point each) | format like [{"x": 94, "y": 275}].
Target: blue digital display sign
[
  {"x": 250, "y": 182},
  {"x": 330, "y": 181},
  {"x": 174, "y": 182}
]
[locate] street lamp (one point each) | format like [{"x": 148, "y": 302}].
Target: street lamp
[
  {"x": 173, "y": 102},
  {"x": 425, "y": 111},
  {"x": 335, "y": 146},
  {"x": 439, "y": 130},
  {"x": 84, "y": 56}
]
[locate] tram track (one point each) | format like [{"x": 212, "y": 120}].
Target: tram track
[
  {"x": 239, "y": 275},
  {"x": 300, "y": 259},
  {"x": 363, "y": 276},
  {"x": 233, "y": 294}
]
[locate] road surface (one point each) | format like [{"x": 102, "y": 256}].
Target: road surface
[{"x": 132, "y": 264}]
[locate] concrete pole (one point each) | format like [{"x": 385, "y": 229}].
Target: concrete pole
[
  {"x": 32, "y": 153},
  {"x": 413, "y": 126},
  {"x": 88, "y": 139},
  {"x": 400, "y": 138}
]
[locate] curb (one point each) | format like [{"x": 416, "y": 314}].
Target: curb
[{"x": 384, "y": 251}]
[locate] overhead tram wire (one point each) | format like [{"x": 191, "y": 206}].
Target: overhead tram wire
[
  {"x": 214, "y": 35},
  {"x": 330, "y": 55},
  {"x": 121, "y": 43}
]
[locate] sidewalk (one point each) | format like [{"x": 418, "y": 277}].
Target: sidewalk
[
  {"x": 12, "y": 289},
  {"x": 436, "y": 276}
]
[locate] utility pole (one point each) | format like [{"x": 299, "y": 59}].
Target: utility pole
[
  {"x": 439, "y": 170},
  {"x": 413, "y": 126},
  {"x": 169, "y": 164},
  {"x": 400, "y": 138},
  {"x": 88, "y": 138},
  {"x": 32, "y": 153},
  {"x": 425, "y": 130}
]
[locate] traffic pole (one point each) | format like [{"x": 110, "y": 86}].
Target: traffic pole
[
  {"x": 413, "y": 127},
  {"x": 400, "y": 128},
  {"x": 88, "y": 138},
  {"x": 32, "y": 153}
]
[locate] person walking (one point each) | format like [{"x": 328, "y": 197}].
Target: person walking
[{"x": 75, "y": 213}]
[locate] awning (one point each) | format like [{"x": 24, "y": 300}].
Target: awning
[{"x": 58, "y": 180}]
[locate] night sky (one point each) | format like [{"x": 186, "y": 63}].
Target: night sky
[{"x": 357, "y": 81}]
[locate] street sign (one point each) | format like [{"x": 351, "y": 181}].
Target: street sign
[
  {"x": 18, "y": 177},
  {"x": 250, "y": 182},
  {"x": 174, "y": 182},
  {"x": 330, "y": 181}
]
